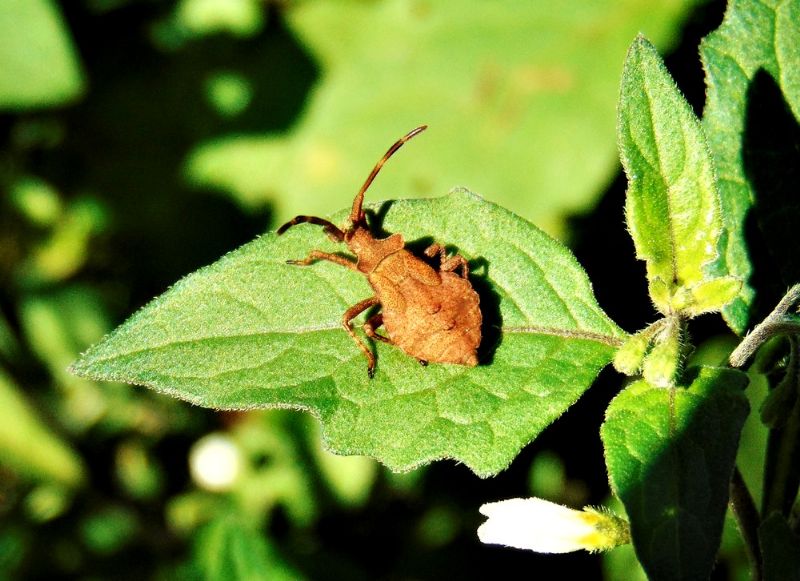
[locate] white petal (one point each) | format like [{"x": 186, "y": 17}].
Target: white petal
[{"x": 537, "y": 525}]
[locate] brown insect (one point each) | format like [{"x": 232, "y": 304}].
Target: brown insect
[{"x": 432, "y": 315}]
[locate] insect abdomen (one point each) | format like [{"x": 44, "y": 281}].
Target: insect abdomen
[{"x": 433, "y": 316}]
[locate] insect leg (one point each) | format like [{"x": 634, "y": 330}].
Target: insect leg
[
  {"x": 373, "y": 323},
  {"x": 351, "y": 314},
  {"x": 448, "y": 264},
  {"x": 315, "y": 255}
]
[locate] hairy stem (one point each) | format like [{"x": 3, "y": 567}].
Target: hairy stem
[{"x": 776, "y": 323}]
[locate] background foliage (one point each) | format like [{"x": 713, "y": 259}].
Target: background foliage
[{"x": 142, "y": 139}]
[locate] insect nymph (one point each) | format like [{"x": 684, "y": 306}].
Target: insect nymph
[{"x": 432, "y": 315}]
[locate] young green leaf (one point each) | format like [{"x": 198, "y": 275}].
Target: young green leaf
[
  {"x": 757, "y": 40},
  {"x": 662, "y": 365},
  {"x": 670, "y": 455},
  {"x": 672, "y": 206},
  {"x": 252, "y": 331},
  {"x": 629, "y": 357}
]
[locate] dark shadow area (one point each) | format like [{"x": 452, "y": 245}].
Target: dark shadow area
[
  {"x": 146, "y": 111},
  {"x": 604, "y": 248},
  {"x": 375, "y": 219},
  {"x": 771, "y": 157},
  {"x": 492, "y": 327},
  {"x": 683, "y": 61}
]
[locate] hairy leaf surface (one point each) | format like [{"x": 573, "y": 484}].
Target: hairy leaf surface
[
  {"x": 252, "y": 331},
  {"x": 672, "y": 205}
]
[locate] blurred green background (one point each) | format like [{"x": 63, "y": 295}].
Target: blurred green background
[{"x": 142, "y": 139}]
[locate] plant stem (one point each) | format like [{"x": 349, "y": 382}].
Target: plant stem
[
  {"x": 782, "y": 470},
  {"x": 774, "y": 324},
  {"x": 746, "y": 514}
]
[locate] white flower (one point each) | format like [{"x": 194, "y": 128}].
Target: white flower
[
  {"x": 546, "y": 527},
  {"x": 215, "y": 462}
]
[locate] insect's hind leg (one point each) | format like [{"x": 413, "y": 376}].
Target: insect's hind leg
[
  {"x": 351, "y": 314},
  {"x": 373, "y": 323},
  {"x": 315, "y": 255},
  {"x": 448, "y": 264}
]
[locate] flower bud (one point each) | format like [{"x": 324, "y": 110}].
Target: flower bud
[{"x": 545, "y": 527}]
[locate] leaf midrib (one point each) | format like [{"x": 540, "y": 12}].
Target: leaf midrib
[
  {"x": 670, "y": 222},
  {"x": 601, "y": 338}
]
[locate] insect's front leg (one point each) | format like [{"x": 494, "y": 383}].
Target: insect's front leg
[
  {"x": 315, "y": 255},
  {"x": 351, "y": 314},
  {"x": 448, "y": 264}
]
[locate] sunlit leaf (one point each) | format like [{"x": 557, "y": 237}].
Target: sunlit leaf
[
  {"x": 39, "y": 64},
  {"x": 520, "y": 99},
  {"x": 251, "y": 331},
  {"x": 672, "y": 205}
]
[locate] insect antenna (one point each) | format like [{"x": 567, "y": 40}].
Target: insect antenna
[
  {"x": 357, "y": 214},
  {"x": 330, "y": 228}
]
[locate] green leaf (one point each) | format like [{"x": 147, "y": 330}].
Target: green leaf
[
  {"x": 661, "y": 367},
  {"x": 29, "y": 447},
  {"x": 251, "y": 331},
  {"x": 629, "y": 357},
  {"x": 710, "y": 295},
  {"x": 672, "y": 206},
  {"x": 520, "y": 101},
  {"x": 39, "y": 64},
  {"x": 670, "y": 455},
  {"x": 757, "y": 40},
  {"x": 780, "y": 549},
  {"x": 226, "y": 549}
]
